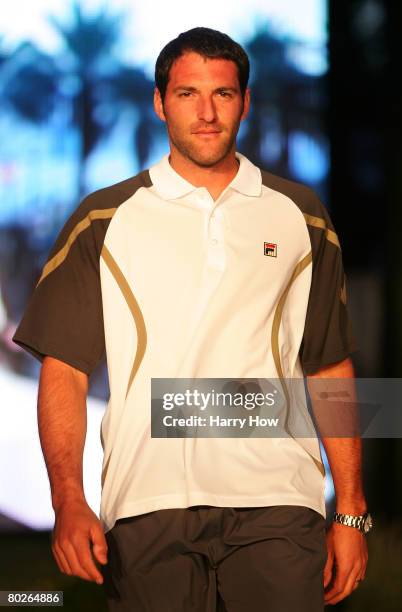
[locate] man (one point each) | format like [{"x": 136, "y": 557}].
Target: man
[{"x": 203, "y": 266}]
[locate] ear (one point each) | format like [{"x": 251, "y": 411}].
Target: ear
[
  {"x": 246, "y": 105},
  {"x": 158, "y": 106}
]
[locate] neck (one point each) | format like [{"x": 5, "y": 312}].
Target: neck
[{"x": 215, "y": 178}]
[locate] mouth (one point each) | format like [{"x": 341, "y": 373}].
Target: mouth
[{"x": 207, "y": 133}]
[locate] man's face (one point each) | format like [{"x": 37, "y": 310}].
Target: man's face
[{"x": 203, "y": 108}]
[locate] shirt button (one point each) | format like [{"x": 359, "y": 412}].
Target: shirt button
[{"x": 214, "y": 241}]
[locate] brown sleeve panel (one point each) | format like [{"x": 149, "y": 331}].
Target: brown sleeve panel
[
  {"x": 64, "y": 315},
  {"x": 328, "y": 335}
]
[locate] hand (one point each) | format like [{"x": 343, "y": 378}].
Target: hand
[
  {"x": 75, "y": 527},
  {"x": 346, "y": 562}
]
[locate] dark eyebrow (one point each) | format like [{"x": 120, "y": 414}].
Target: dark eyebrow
[
  {"x": 186, "y": 87},
  {"x": 194, "y": 89}
]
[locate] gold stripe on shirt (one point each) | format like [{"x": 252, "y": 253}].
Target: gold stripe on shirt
[
  {"x": 302, "y": 264},
  {"x": 134, "y": 309},
  {"x": 61, "y": 255},
  {"x": 321, "y": 223},
  {"x": 104, "y": 471},
  {"x": 343, "y": 291}
]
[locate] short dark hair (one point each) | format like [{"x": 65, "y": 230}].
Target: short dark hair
[{"x": 208, "y": 43}]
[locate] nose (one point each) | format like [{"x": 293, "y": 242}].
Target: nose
[{"x": 206, "y": 109}]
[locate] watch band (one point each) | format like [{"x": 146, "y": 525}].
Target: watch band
[{"x": 362, "y": 522}]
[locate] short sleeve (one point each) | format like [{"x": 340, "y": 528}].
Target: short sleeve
[
  {"x": 328, "y": 336},
  {"x": 64, "y": 316}
]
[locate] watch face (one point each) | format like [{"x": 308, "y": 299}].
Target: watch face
[{"x": 368, "y": 523}]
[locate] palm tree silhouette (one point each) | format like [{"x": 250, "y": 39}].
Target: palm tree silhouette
[
  {"x": 280, "y": 90},
  {"x": 29, "y": 83},
  {"x": 129, "y": 84},
  {"x": 90, "y": 76},
  {"x": 102, "y": 79}
]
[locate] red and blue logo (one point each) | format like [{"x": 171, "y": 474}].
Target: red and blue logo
[{"x": 270, "y": 249}]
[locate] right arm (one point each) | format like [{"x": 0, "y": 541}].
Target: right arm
[{"x": 62, "y": 423}]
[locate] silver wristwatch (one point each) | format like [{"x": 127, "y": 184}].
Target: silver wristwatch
[{"x": 363, "y": 522}]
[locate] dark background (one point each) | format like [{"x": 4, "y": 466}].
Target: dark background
[{"x": 365, "y": 121}]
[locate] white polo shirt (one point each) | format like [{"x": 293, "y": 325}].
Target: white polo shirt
[{"x": 169, "y": 283}]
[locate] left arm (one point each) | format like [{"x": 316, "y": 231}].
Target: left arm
[{"x": 347, "y": 548}]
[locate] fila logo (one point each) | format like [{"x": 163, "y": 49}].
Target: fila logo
[{"x": 270, "y": 249}]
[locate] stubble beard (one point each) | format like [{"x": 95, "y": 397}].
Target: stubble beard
[{"x": 202, "y": 155}]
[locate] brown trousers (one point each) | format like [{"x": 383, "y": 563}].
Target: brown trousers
[{"x": 212, "y": 559}]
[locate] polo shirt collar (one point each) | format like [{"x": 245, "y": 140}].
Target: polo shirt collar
[
  {"x": 248, "y": 178},
  {"x": 170, "y": 185}
]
